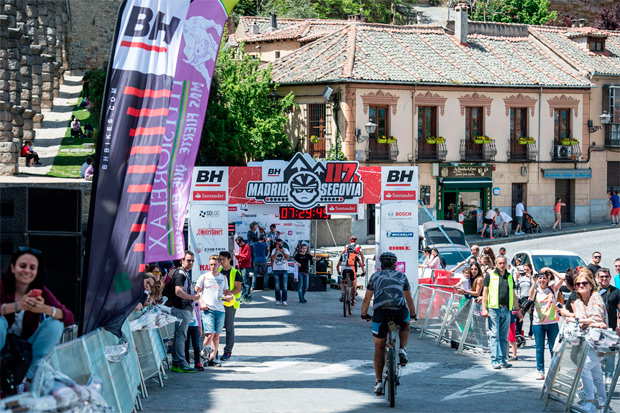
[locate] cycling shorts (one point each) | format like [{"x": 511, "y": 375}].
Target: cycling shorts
[
  {"x": 348, "y": 273},
  {"x": 381, "y": 315}
]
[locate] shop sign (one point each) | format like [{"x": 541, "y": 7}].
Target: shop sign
[
  {"x": 306, "y": 183},
  {"x": 465, "y": 171}
]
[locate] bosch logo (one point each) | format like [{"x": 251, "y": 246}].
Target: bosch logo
[{"x": 403, "y": 214}]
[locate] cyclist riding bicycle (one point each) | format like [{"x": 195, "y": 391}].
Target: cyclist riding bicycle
[
  {"x": 350, "y": 258},
  {"x": 393, "y": 300}
]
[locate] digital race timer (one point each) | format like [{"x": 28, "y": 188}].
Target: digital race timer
[{"x": 291, "y": 213}]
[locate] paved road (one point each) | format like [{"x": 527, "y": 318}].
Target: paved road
[
  {"x": 585, "y": 243},
  {"x": 308, "y": 357}
]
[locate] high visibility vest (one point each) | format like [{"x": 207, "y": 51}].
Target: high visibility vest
[
  {"x": 236, "y": 301},
  {"x": 493, "y": 295}
]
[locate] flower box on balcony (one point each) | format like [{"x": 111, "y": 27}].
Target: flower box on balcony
[
  {"x": 482, "y": 139},
  {"x": 384, "y": 139},
  {"x": 569, "y": 142},
  {"x": 525, "y": 140},
  {"x": 435, "y": 140},
  {"x": 314, "y": 139}
]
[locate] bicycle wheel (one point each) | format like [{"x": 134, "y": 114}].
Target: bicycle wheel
[
  {"x": 345, "y": 299},
  {"x": 391, "y": 376},
  {"x": 351, "y": 296}
]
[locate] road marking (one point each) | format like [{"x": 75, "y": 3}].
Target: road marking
[
  {"x": 266, "y": 366},
  {"x": 488, "y": 387},
  {"x": 345, "y": 366},
  {"x": 416, "y": 367},
  {"x": 472, "y": 373}
]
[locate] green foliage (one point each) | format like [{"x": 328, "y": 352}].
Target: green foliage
[
  {"x": 96, "y": 83},
  {"x": 335, "y": 152},
  {"x": 297, "y": 9},
  {"x": 243, "y": 122},
  {"x": 513, "y": 11}
]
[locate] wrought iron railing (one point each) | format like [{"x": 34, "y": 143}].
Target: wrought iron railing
[
  {"x": 428, "y": 152},
  {"x": 612, "y": 142},
  {"x": 521, "y": 152},
  {"x": 477, "y": 152},
  {"x": 385, "y": 153}
]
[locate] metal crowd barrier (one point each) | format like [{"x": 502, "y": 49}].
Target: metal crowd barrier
[{"x": 123, "y": 382}]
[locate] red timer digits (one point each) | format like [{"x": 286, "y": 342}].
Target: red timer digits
[{"x": 292, "y": 213}]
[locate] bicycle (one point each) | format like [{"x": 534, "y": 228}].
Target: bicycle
[
  {"x": 391, "y": 369},
  {"x": 348, "y": 297}
]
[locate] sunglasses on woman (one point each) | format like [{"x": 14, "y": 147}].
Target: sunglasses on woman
[
  {"x": 582, "y": 284},
  {"x": 29, "y": 250}
]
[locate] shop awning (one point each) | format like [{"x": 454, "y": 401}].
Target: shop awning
[
  {"x": 473, "y": 183},
  {"x": 568, "y": 173}
]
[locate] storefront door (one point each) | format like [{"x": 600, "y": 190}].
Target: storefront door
[{"x": 466, "y": 202}]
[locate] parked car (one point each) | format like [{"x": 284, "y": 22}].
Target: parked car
[
  {"x": 557, "y": 260},
  {"x": 451, "y": 256},
  {"x": 432, "y": 236}
]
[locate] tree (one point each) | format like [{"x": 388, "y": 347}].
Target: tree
[
  {"x": 374, "y": 11},
  {"x": 512, "y": 11},
  {"x": 245, "y": 121},
  {"x": 298, "y": 9},
  {"x": 609, "y": 18}
]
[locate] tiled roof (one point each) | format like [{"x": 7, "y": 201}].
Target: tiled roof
[
  {"x": 557, "y": 39},
  {"x": 423, "y": 54},
  {"x": 295, "y": 29}
]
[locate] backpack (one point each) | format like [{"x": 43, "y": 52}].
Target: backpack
[
  {"x": 168, "y": 290},
  {"x": 350, "y": 258}
]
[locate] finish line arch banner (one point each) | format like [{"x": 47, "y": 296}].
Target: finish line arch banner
[{"x": 256, "y": 193}]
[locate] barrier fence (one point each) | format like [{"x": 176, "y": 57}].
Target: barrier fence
[
  {"x": 131, "y": 360},
  {"x": 454, "y": 318}
]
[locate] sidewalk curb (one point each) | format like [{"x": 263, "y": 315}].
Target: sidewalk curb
[{"x": 502, "y": 240}]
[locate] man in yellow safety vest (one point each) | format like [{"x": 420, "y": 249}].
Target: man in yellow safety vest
[
  {"x": 233, "y": 276},
  {"x": 498, "y": 300}
]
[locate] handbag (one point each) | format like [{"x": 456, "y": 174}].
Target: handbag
[{"x": 15, "y": 360}]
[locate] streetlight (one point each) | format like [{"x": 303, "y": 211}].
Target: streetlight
[{"x": 370, "y": 127}]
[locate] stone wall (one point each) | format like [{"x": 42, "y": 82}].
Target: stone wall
[
  {"x": 91, "y": 33},
  {"x": 32, "y": 62}
]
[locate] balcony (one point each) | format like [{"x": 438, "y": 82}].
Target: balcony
[
  {"x": 521, "y": 152},
  {"x": 477, "y": 152},
  {"x": 565, "y": 153},
  {"x": 381, "y": 152},
  {"x": 430, "y": 152},
  {"x": 612, "y": 142}
]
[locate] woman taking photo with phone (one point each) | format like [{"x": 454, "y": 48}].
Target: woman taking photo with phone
[
  {"x": 28, "y": 309},
  {"x": 545, "y": 323}
]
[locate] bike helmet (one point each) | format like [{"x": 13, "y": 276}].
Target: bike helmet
[
  {"x": 388, "y": 260},
  {"x": 353, "y": 238}
]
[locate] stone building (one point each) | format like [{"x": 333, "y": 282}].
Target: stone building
[{"x": 462, "y": 83}]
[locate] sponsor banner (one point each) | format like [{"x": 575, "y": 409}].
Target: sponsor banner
[
  {"x": 341, "y": 209},
  {"x": 198, "y": 48},
  {"x": 306, "y": 183},
  {"x": 399, "y": 184},
  {"x": 210, "y": 185},
  {"x": 399, "y": 234},
  {"x": 208, "y": 233},
  {"x": 141, "y": 168}
]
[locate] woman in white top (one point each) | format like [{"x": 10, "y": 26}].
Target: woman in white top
[
  {"x": 488, "y": 222},
  {"x": 431, "y": 259},
  {"x": 505, "y": 218}
]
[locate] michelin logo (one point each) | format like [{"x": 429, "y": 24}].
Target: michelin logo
[{"x": 391, "y": 234}]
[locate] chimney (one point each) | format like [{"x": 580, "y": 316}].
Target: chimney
[
  {"x": 582, "y": 22},
  {"x": 573, "y": 22},
  {"x": 274, "y": 22},
  {"x": 460, "y": 22},
  {"x": 356, "y": 17},
  {"x": 255, "y": 28}
]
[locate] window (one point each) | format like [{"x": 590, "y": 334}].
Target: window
[
  {"x": 427, "y": 116},
  {"x": 596, "y": 44},
  {"x": 474, "y": 122},
  {"x": 518, "y": 123},
  {"x": 561, "y": 124},
  {"x": 277, "y": 55},
  {"x": 611, "y": 104},
  {"x": 316, "y": 129},
  {"x": 380, "y": 116},
  {"x": 613, "y": 175}
]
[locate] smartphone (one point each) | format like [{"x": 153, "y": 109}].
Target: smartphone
[{"x": 35, "y": 293}]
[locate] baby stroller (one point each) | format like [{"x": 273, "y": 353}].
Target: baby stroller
[{"x": 529, "y": 225}]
